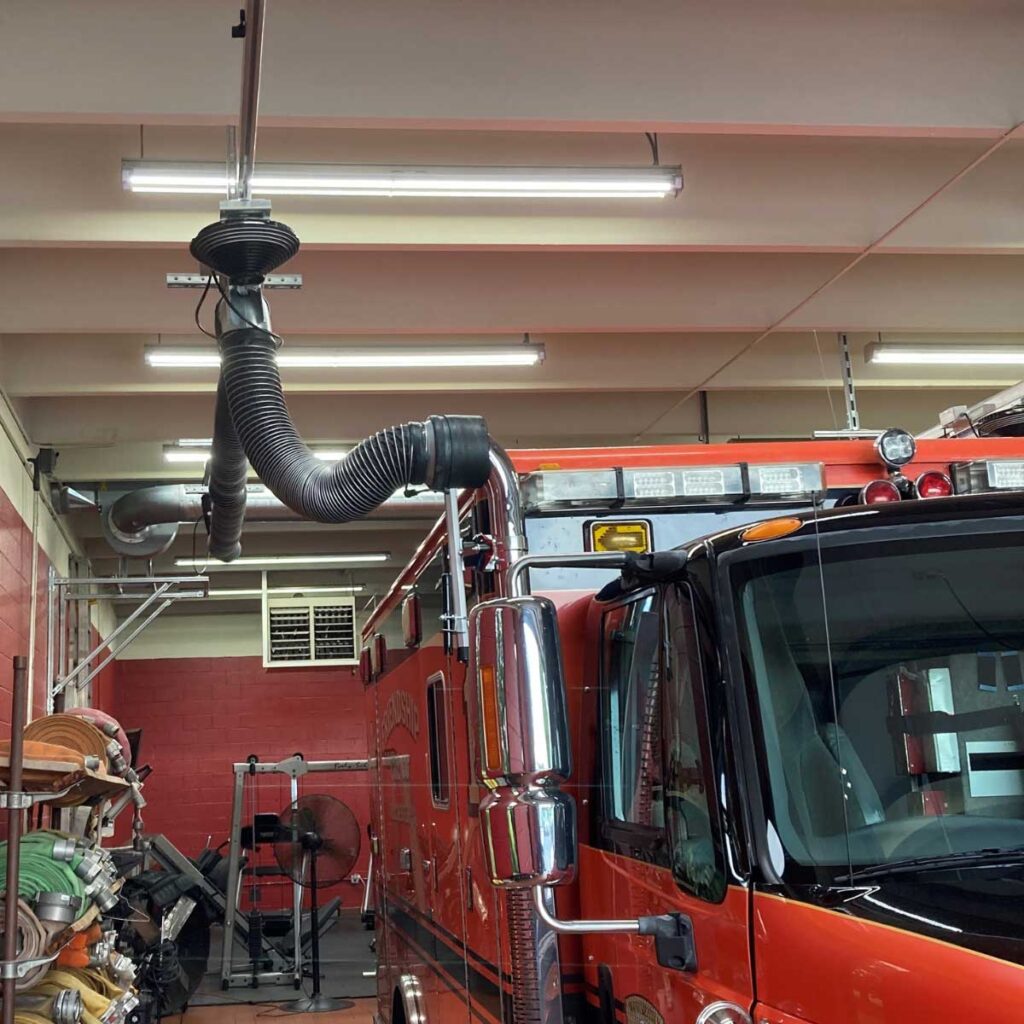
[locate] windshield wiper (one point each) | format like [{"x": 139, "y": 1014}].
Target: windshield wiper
[{"x": 967, "y": 859}]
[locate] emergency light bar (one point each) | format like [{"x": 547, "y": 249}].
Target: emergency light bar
[
  {"x": 990, "y": 475},
  {"x": 551, "y": 490}
]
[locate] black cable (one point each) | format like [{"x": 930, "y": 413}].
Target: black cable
[
  {"x": 199, "y": 306},
  {"x": 195, "y": 557},
  {"x": 652, "y": 141},
  {"x": 970, "y": 423},
  {"x": 1008, "y": 644}
]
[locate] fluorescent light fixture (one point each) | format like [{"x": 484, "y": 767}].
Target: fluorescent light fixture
[
  {"x": 242, "y": 593},
  {"x": 945, "y": 355},
  {"x": 390, "y": 358},
  {"x": 195, "y": 456},
  {"x": 189, "y": 451},
  {"x": 271, "y": 561},
  {"x": 414, "y": 182}
]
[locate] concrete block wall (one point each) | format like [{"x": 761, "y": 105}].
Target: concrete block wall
[{"x": 200, "y": 715}]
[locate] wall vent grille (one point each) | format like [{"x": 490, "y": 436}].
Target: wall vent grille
[{"x": 309, "y": 631}]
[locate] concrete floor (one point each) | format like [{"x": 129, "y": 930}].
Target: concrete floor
[
  {"x": 345, "y": 959},
  {"x": 360, "y": 1013}
]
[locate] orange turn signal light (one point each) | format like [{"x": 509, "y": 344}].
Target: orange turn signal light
[
  {"x": 489, "y": 717},
  {"x": 772, "y": 529}
]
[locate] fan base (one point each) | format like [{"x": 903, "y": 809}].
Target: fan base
[{"x": 317, "y": 1004}]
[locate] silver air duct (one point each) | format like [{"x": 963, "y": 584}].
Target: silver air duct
[{"x": 145, "y": 522}]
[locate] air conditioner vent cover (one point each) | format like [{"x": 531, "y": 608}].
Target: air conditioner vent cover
[{"x": 309, "y": 631}]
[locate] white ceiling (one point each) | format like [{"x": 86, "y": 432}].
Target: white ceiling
[{"x": 810, "y": 134}]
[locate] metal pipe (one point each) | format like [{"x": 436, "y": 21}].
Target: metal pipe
[
  {"x": 507, "y": 531},
  {"x": 62, "y": 637},
  {"x": 127, "y": 521},
  {"x": 117, "y": 649},
  {"x": 51, "y": 596},
  {"x": 506, "y": 508},
  {"x": 33, "y": 603},
  {"x": 542, "y": 895},
  {"x": 15, "y": 820},
  {"x": 121, "y": 627},
  {"x": 457, "y": 625},
  {"x": 518, "y": 585},
  {"x": 252, "y": 61}
]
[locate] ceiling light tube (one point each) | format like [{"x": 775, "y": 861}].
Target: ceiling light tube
[
  {"x": 194, "y": 455},
  {"x": 242, "y": 593},
  {"x": 271, "y": 561},
  {"x": 945, "y": 355},
  {"x": 393, "y": 181},
  {"x": 383, "y": 357}
]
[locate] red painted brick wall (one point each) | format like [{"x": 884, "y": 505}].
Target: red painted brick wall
[
  {"x": 16, "y": 553},
  {"x": 200, "y": 715}
]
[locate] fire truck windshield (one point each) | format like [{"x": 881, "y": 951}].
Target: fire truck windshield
[{"x": 887, "y": 673}]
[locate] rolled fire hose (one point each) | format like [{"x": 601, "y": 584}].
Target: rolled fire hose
[
  {"x": 69, "y": 731},
  {"x": 51, "y": 865},
  {"x": 97, "y": 992},
  {"x": 32, "y": 942},
  {"x": 30, "y": 1017},
  {"x": 52, "y": 1004},
  {"x": 107, "y": 724},
  {"x": 77, "y": 734}
]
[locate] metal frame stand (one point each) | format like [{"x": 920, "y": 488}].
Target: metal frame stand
[
  {"x": 234, "y": 918},
  {"x": 71, "y": 660}
]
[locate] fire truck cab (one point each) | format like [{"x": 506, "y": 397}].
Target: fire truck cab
[{"x": 709, "y": 734}]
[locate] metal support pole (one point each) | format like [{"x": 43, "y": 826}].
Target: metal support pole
[
  {"x": 252, "y": 61},
  {"x": 51, "y": 600},
  {"x": 458, "y": 623},
  {"x": 296, "y": 903},
  {"x": 231, "y": 888},
  {"x": 33, "y": 602},
  {"x": 62, "y": 636},
  {"x": 849, "y": 393},
  {"x": 15, "y": 821}
]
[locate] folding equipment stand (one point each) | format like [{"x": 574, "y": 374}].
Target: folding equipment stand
[{"x": 236, "y": 923}]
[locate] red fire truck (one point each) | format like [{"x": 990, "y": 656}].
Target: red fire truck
[{"x": 710, "y": 734}]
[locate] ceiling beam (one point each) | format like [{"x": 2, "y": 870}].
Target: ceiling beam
[
  {"x": 61, "y": 186},
  {"x": 508, "y": 293},
  {"x": 112, "y": 439},
  {"x": 658, "y": 65}
]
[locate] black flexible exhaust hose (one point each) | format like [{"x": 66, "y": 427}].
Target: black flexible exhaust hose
[
  {"x": 443, "y": 452},
  {"x": 229, "y": 469}
]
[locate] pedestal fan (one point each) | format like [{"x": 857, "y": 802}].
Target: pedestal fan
[{"x": 318, "y": 847}]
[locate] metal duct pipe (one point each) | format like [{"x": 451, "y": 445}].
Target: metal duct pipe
[
  {"x": 138, "y": 522},
  {"x": 252, "y": 60}
]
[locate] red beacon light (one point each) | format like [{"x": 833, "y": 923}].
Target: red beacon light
[
  {"x": 878, "y": 492},
  {"x": 933, "y": 484}
]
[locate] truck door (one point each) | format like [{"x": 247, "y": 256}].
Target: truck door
[
  {"x": 658, "y": 842},
  {"x": 444, "y": 879}
]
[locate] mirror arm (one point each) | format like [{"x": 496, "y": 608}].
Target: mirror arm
[
  {"x": 661, "y": 926},
  {"x": 540, "y": 894},
  {"x": 518, "y": 585}
]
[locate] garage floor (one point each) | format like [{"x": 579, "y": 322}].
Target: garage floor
[
  {"x": 360, "y": 1013},
  {"x": 347, "y": 965}
]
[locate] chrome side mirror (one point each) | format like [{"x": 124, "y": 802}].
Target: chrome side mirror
[{"x": 529, "y": 825}]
